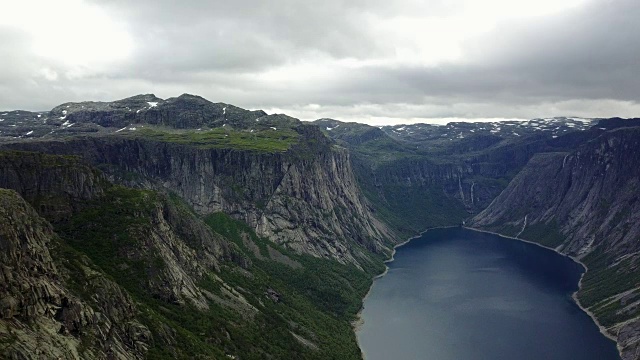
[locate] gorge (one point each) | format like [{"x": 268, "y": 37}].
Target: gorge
[{"x": 173, "y": 228}]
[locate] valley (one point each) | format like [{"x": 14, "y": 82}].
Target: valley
[{"x": 181, "y": 228}]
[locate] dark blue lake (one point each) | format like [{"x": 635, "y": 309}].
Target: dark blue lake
[{"x": 457, "y": 294}]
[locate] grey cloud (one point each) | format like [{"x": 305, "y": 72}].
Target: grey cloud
[{"x": 578, "y": 61}]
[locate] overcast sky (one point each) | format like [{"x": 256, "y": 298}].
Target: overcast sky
[{"x": 374, "y": 61}]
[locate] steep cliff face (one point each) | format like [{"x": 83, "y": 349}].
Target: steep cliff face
[
  {"x": 73, "y": 195},
  {"x": 41, "y": 317},
  {"x": 54, "y": 185},
  {"x": 585, "y": 203},
  {"x": 306, "y": 197},
  {"x": 422, "y": 175},
  {"x": 129, "y": 273}
]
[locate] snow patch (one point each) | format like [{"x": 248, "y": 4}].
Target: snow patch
[
  {"x": 273, "y": 128},
  {"x": 64, "y": 112},
  {"x": 329, "y": 129},
  {"x": 224, "y": 110},
  {"x": 29, "y": 133},
  {"x": 586, "y": 121},
  {"x": 152, "y": 104},
  {"x": 39, "y": 115},
  {"x": 67, "y": 123},
  {"x": 133, "y": 129},
  {"x": 121, "y": 129}
]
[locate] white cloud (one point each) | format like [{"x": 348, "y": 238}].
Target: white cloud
[
  {"x": 70, "y": 32},
  {"x": 365, "y": 60}
]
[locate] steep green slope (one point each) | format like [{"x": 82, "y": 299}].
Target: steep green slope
[{"x": 197, "y": 287}]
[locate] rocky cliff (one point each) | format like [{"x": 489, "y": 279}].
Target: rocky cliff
[
  {"x": 306, "y": 197},
  {"x": 127, "y": 273},
  {"x": 204, "y": 216},
  {"x": 585, "y": 204},
  {"x": 41, "y": 317}
]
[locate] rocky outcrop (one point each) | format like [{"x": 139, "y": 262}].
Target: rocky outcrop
[
  {"x": 40, "y": 317},
  {"x": 54, "y": 185},
  {"x": 585, "y": 203}
]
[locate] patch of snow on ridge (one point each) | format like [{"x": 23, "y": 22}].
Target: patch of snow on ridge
[
  {"x": 581, "y": 119},
  {"x": 152, "y": 104}
]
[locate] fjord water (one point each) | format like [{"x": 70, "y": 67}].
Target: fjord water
[{"x": 458, "y": 294}]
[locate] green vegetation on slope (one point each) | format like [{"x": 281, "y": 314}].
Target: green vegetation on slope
[
  {"x": 265, "y": 140},
  {"x": 604, "y": 280},
  {"x": 317, "y": 298},
  {"x": 412, "y": 210},
  {"x": 545, "y": 234}
]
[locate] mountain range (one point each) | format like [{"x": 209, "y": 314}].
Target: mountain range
[{"x": 181, "y": 228}]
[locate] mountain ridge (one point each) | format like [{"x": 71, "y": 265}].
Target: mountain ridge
[{"x": 237, "y": 216}]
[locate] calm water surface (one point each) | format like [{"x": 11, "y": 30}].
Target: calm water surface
[{"x": 457, "y": 294}]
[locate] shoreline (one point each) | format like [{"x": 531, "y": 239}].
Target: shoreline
[
  {"x": 357, "y": 323},
  {"x": 574, "y": 296}
]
